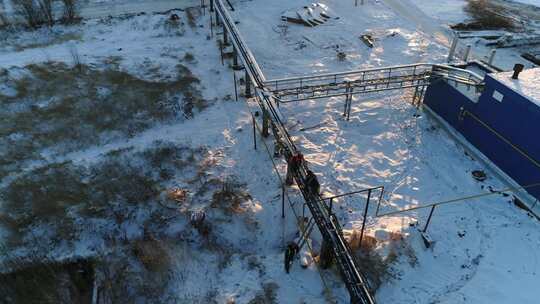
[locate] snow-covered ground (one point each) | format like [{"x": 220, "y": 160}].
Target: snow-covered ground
[
  {"x": 388, "y": 143},
  {"x": 145, "y": 47},
  {"x": 526, "y": 85},
  {"x": 486, "y": 250},
  {"x": 101, "y": 8},
  {"x": 531, "y": 2}
]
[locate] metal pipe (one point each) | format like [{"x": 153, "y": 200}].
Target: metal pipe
[
  {"x": 365, "y": 216},
  {"x": 225, "y": 37},
  {"x": 347, "y": 73},
  {"x": 467, "y": 53},
  {"x": 429, "y": 218},
  {"x": 335, "y": 245},
  {"x": 266, "y": 124},
  {"x": 492, "y": 56},
  {"x": 254, "y": 134},
  {"x": 282, "y": 201},
  {"x": 462, "y": 199},
  {"x": 453, "y": 47},
  {"x": 248, "y": 85},
  {"x": 221, "y": 52},
  {"x": 342, "y": 94},
  {"x": 211, "y": 26},
  {"x": 235, "y": 88},
  {"x": 235, "y": 66},
  {"x": 325, "y": 78},
  {"x": 354, "y": 192}
]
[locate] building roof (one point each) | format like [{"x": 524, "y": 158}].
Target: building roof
[{"x": 528, "y": 84}]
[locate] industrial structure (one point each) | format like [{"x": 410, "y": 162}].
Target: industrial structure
[
  {"x": 270, "y": 93},
  {"x": 498, "y": 125}
]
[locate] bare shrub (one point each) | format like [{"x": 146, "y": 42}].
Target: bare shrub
[
  {"x": 35, "y": 12},
  {"x": 29, "y": 10},
  {"x": 120, "y": 282},
  {"x": 189, "y": 57},
  {"x": 46, "y": 11},
  {"x": 368, "y": 242},
  {"x": 4, "y": 21},
  {"x": 375, "y": 266},
  {"x": 192, "y": 15},
  {"x": 70, "y": 14},
  {"x": 230, "y": 197},
  {"x": 399, "y": 246}
]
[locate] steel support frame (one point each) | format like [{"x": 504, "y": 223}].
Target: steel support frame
[{"x": 327, "y": 224}]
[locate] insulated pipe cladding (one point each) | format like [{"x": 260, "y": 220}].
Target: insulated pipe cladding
[{"x": 518, "y": 68}]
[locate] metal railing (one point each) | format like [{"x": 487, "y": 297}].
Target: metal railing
[{"x": 366, "y": 81}]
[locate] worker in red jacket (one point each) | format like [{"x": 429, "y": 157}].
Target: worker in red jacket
[{"x": 293, "y": 165}]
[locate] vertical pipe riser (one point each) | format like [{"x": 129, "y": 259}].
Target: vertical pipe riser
[
  {"x": 467, "y": 53},
  {"x": 254, "y": 134},
  {"x": 266, "y": 124},
  {"x": 453, "y": 48},
  {"x": 248, "y": 85}
]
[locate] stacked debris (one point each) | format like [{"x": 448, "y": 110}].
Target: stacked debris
[
  {"x": 311, "y": 15},
  {"x": 533, "y": 56},
  {"x": 513, "y": 40},
  {"x": 368, "y": 40}
]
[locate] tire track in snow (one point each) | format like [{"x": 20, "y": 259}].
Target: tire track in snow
[{"x": 450, "y": 290}]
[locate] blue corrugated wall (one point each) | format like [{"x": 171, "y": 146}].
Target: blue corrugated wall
[{"x": 515, "y": 118}]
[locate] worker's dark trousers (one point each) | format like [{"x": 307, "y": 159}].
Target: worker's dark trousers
[{"x": 289, "y": 180}]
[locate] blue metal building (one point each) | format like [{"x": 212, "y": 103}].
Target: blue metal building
[{"x": 500, "y": 125}]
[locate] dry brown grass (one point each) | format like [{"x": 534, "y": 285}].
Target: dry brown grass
[
  {"x": 178, "y": 195},
  {"x": 486, "y": 15},
  {"x": 85, "y": 107},
  {"x": 230, "y": 197},
  {"x": 56, "y": 194},
  {"x": 192, "y": 14},
  {"x": 268, "y": 295},
  {"x": 152, "y": 253},
  {"x": 377, "y": 267},
  {"x": 48, "y": 282}
]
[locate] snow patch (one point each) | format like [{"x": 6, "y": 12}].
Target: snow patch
[{"x": 527, "y": 85}]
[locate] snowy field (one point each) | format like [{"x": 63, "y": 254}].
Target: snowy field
[
  {"x": 136, "y": 106},
  {"x": 187, "y": 133}
]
